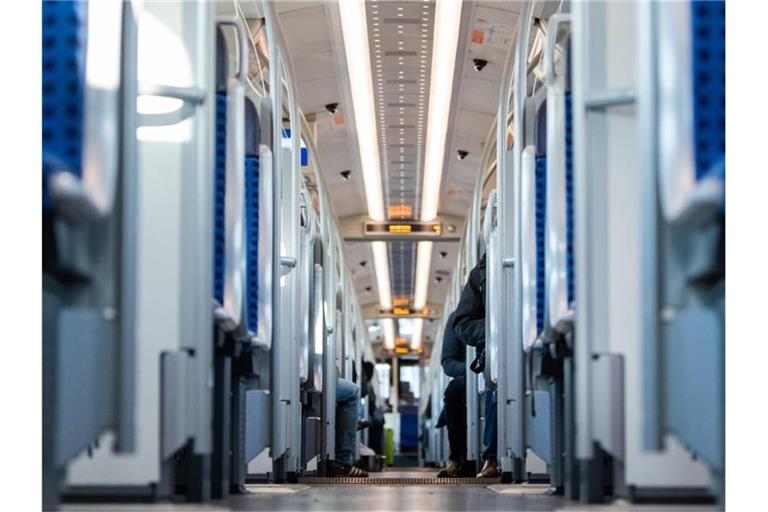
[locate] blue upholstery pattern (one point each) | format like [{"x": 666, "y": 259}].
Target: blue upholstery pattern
[
  {"x": 708, "y": 46},
  {"x": 252, "y": 240},
  {"x": 304, "y": 151},
  {"x": 569, "y": 268},
  {"x": 219, "y": 197},
  {"x": 540, "y": 188},
  {"x": 64, "y": 43}
]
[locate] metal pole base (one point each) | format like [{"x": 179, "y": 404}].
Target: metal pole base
[
  {"x": 222, "y": 430},
  {"x": 518, "y": 470},
  {"x": 198, "y": 473}
]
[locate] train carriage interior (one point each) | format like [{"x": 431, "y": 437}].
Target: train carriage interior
[{"x": 383, "y": 255}]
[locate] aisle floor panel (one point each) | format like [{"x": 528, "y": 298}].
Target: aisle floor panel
[
  {"x": 373, "y": 497},
  {"x": 381, "y": 497}
]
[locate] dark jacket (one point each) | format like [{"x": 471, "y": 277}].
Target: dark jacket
[
  {"x": 469, "y": 317},
  {"x": 454, "y": 353}
]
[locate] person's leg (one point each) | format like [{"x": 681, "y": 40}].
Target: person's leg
[
  {"x": 490, "y": 433},
  {"x": 456, "y": 418},
  {"x": 347, "y": 397}
]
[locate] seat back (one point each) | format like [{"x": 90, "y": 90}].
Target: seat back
[
  {"x": 493, "y": 284},
  {"x": 230, "y": 175},
  {"x": 63, "y": 52},
  {"x": 528, "y": 247},
  {"x": 258, "y": 228},
  {"x": 82, "y": 106},
  {"x": 558, "y": 243},
  {"x": 306, "y": 284},
  {"x": 691, "y": 107},
  {"x": 317, "y": 327}
]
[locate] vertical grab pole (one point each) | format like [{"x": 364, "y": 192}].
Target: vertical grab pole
[
  {"x": 291, "y": 362},
  {"x": 473, "y": 406},
  {"x": 505, "y": 205},
  {"x": 277, "y": 438},
  {"x": 329, "y": 347},
  {"x": 288, "y": 357},
  {"x": 516, "y": 371},
  {"x": 582, "y": 236},
  {"x": 652, "y": 414}
]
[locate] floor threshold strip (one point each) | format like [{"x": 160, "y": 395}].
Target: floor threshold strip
[{"x": 397, "y": 481}]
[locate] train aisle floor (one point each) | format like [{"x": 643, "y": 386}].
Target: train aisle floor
[{"x": 379, "y": 494}]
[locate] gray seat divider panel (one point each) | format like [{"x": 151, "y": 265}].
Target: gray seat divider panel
[
  {"x": 608, "y": 397},
  {"x": 694, "y": 355},
  {"x": 312, "y": 444},
  {"x": 84, "y": 381},
  {"x": 175, "y": 425},
  {"x": 540, "y": 426},
  {"x": 257, "y": 424}
]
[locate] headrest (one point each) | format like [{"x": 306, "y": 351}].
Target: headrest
[
  {"x": 252, "y": 129},
  {"x": 221, "y": 60},
  {"x": 540, "y": 130}
]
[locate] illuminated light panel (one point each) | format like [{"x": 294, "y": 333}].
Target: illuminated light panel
[
  {"x": 355, "y": 31},
  {"x": 444, "y": 47},
  {"x": 355, "y": 34},
  {"x": 389, "y": 333},
  {"x": 423, "y": 260},
  {"x": 399, "y": 228},
  {"x": 418, "y": 331},
  {"x": 400, "y": 210},
  {"x": 381, "y": 264}
]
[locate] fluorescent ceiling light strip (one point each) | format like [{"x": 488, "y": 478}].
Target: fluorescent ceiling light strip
[
  {"x": 381, "y": 264},
  {"x": 355, "y": 30},
  {"x": 423, "y": 260},
  {"x": 444, "y": 46},
  {"x": 389, "y": 333},
  {"x": 418, "y": 329}
]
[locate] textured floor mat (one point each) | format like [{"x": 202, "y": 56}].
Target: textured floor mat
[{"x": 395, "y": 480}]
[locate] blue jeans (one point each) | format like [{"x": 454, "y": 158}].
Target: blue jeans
[
  {"x": 347, "y": 400},
  {"x": 490, "y": 433}
]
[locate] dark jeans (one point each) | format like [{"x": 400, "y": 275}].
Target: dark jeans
[
  {"x": 347, "y": 400},
  {"x": 490, "y": 433},
  {"x": 455, "y": 397}
]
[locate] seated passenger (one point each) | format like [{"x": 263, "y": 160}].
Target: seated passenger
[
  {"x": 469, "y": 326},
  {"x": 454, "y": 414},
  {"x": 367, "y": 391},
  {"x": 347, "y": 400}
]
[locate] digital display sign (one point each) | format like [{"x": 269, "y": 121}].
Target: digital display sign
[{"x": 395, "y": 228}]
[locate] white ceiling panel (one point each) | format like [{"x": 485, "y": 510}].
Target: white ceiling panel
[
  {"x": 316, "y": 66},
  {"x": 502, "y": 5},
  {"x": 472, "y": 124},
  {"x": 315, "y": 94},
  {"x": 307, "y": 31},
  {"x": 289, "y": 6},
  {"x": 480, "y": 96}
]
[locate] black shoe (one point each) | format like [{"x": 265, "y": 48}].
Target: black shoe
[
  {"x": 362, "y": 425},
  {"x": 452, "y": 470},
  {"x": 346, "y": 471}
]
